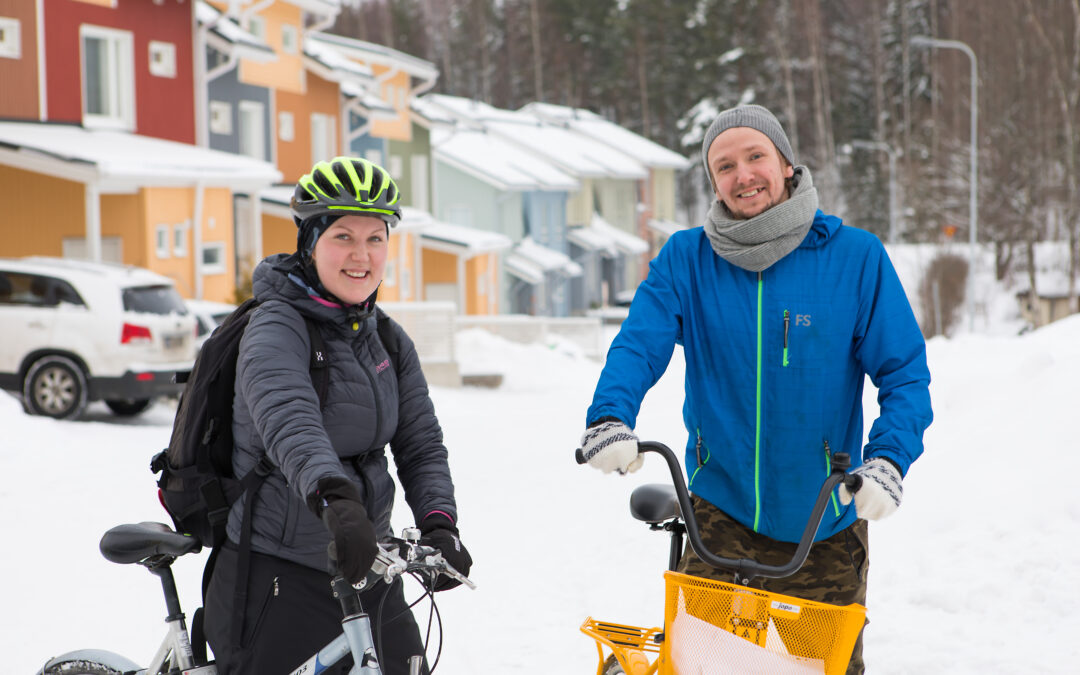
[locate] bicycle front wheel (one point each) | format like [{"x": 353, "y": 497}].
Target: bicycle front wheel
[{"x": 81, "y": 667}]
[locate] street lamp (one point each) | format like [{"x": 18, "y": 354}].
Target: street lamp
[
  {"x": 884, "y": 147},
  {"x": 973, "y": 212}
]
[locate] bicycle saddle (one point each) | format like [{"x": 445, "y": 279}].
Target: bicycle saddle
[
  {"x": 654, "y": 503},
  {"x": 126, "y": 544}
]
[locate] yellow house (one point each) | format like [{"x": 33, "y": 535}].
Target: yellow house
[{"x": 120, "y": 197}]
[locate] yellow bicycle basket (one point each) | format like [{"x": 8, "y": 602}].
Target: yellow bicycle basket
[{"x": 717, "y": 627}]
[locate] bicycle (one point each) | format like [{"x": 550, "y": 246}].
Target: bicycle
[
  {"x": 156, "y": 546},
  {"x": 713, "y": 626}
]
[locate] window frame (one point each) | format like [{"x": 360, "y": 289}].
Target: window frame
[
  {"x": 11, "y": 45},
  {"x": 120, "y": 47},
  {"x": 162, "y": 241},
  {"x": 218, "y": 267},
  {"x": 167, "y": 67}
]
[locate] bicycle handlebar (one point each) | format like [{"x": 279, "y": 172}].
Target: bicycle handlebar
[
  {"x": 746, "y": 570},
  {"x": 400, "y": 556}
]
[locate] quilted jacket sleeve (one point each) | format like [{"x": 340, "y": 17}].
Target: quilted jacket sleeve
[
  {"x": 273, "y": 373},
  {"x": 417, "y": 445}
]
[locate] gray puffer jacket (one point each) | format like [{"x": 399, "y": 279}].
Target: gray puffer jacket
[{"x": 276, "y": 413}]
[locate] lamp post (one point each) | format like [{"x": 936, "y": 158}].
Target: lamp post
[
  {"x": 894, "y": 210},
  {"x": 973, "y": 213}
]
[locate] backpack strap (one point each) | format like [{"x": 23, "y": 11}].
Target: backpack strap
[
  {"x": 251, "y": 482},
  {"x": 389, "y": 338},
  {"x": 320, "y": 374}
]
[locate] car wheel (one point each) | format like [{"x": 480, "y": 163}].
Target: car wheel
[
  {"x": 127, "y": 408},
  {"x": 55, "y": 386}
]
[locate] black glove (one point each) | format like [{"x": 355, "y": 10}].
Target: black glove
[
  {"x": 439, "y": 532},
  {"x": 339, "y": 504}
]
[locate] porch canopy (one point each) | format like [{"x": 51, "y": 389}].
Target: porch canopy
[
  {"x": 600, "y": 235},
  {"x": 664, "y": 227},
  {"x": 108, "y": 162},
  {"x": 529, "y": 261}
]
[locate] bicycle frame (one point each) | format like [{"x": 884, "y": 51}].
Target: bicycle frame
[
  {"x": 630, "y": 645},
  {"x": 156, "y": 546}
]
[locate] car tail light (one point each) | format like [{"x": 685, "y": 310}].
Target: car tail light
[
  {"x": 144, "y": 377},
  {"x": 132, "y": 333}
]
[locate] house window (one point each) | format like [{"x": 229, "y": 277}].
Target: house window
[
  {"x": 10, "y": 40},
  {"x": 374, "y": 156},
  {"x": 162, "y": 59},
  {"x": 161, "y": 241},
  {"x": 213, "y": 258},
  {"x": 256, "y": 25},
  {"x": 220, "y": 118},
  {"x": 390, "y": 275},
  {"x": 252, "y": 129},
  {"x": 108, "y": 77},
  {"x": 323, "y": 138},
  {"x": 285, "y": 130},
  {"x": 395, "y": 166},
  {"x": 180, "y": 239},
  {"x": 289, "y": 39}
]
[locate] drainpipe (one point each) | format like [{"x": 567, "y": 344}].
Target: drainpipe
[
  {"x": 92, "y": 197},
  {"x": 196, "y": 236}
]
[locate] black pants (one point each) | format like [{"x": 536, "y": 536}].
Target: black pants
[{"x": 290, "y": 614}]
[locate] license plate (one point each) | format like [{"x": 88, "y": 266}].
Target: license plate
[{"x": 174, "y": 341}]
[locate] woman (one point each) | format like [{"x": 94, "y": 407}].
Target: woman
[{"x": 328, "y": 451}]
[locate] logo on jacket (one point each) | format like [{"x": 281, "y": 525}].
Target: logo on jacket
[
  {"x": 382, "y": 366},
  {"x": 802, "y": 319}
]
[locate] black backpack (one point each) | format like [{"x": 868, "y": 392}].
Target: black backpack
[{"x": 197, "y": 485}]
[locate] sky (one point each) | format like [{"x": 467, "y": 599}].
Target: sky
[{"x": 975, "y": 573}]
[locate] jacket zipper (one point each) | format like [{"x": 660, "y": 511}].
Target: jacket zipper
[
  {"x": 757, "y": 407},
  {"x": 355, "y": 325},
  {"x": 787, "y": 323},
  {"x": 700, "y": 462},
  {"x": 828, "y": 472}
]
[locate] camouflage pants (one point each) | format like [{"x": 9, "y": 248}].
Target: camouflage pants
[{"x": 834, "y": 572}]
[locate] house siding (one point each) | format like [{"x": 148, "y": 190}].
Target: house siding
[
  {"x": 294, "y": 157},
  {"x": 400, "y": 165},
  {"x": 21, "y": 74},
  {"x": 164, "y": 106},
  {"x": 229, "y": 89},
  {"x": 42, "y": 210}
]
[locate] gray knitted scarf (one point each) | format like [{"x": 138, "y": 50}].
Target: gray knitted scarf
[{"x": 756, "y": 243}]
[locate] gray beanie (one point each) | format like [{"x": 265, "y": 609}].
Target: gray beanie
[{"x": 753, "y": 116}]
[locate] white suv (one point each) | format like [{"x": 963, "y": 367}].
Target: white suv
[{"x": 76, "y": 331}]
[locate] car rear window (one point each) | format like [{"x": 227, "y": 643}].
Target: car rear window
[
  {"x": 35, "y": 290},
  {"x": 153, "y": 300}
]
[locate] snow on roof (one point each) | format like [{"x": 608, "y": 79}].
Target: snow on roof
[
  {"x": 497, "y": 162},
  {"x": 600, "y": 235},
  {"x": 369, "y": 52},
  {"x": 232, "y": 34},
  {"x": 115, "y": 160},
  {"x": 367, "y": 99},
  {"x": 547, "y": 259},
  {"x": 432, "y": 113},
  {"x": 586, "y": 122},
  {"x": 665, "y": 227},
  {"x": 576, "y": 154},
  {"x": 524, "y": 269},
  {"x": 338, "y": 64},
  {"x": 460, "y": 237}
]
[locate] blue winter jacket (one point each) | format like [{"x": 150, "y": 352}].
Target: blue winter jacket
[{"x": 775, "y": 365}]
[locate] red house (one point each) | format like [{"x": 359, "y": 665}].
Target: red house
[{"x": 106, "y": 64}]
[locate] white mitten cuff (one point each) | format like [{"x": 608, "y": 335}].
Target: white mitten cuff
[
  {"x": 881, "y": 492},
  {"x": 611, "y": 446}
]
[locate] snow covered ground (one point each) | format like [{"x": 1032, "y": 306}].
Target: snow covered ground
[{"x": 976, "y": 573}]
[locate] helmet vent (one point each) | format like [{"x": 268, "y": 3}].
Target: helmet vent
[
  {"x": 324, "y": 184},
  {"x": 346, "y": 180}
]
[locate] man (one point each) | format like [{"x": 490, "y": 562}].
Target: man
[{"x": 781, "y": 311}]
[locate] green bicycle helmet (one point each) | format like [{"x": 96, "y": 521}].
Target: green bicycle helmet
[{"x": 346, "y": 186}]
